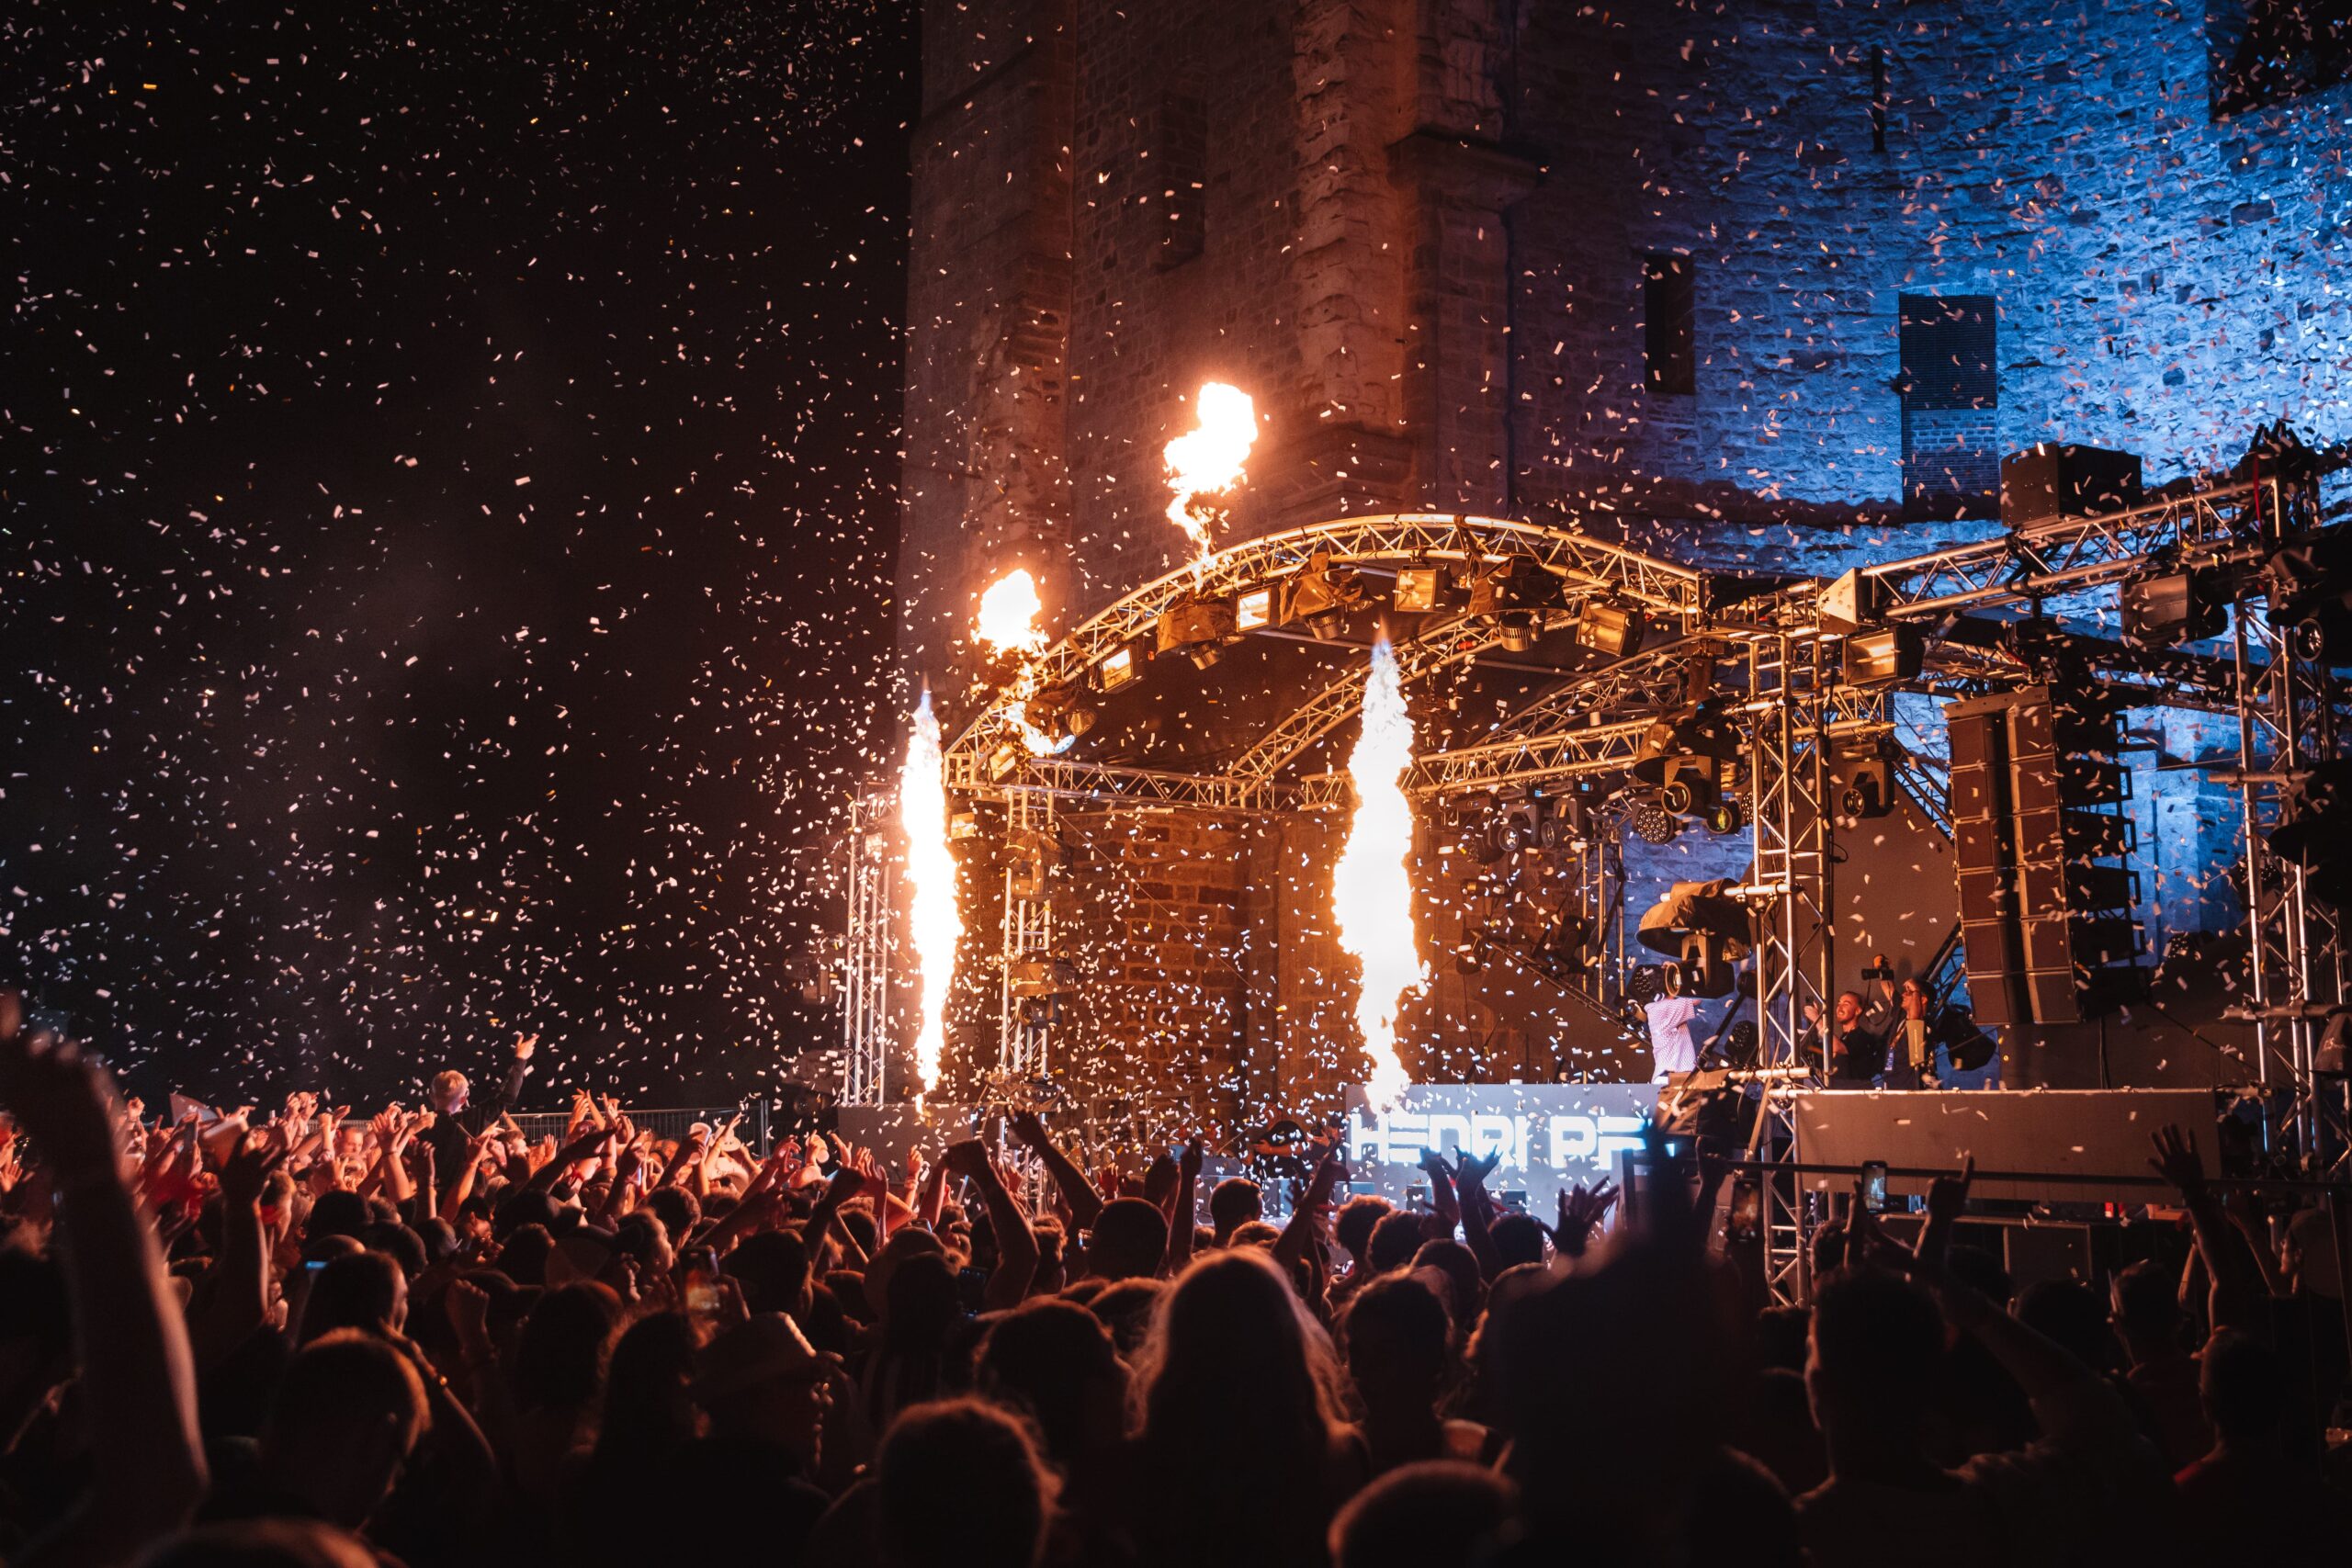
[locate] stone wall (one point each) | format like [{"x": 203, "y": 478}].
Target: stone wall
[{"x": 1415, "y": 231}]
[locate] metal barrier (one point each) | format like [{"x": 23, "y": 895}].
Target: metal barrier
[{"x": 663, "y": 1122}]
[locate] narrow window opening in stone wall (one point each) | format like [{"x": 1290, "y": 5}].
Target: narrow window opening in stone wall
[
  {"x": 1669, "y": 328},
  {"x": 1878, "y": 99},
  {"x": 2260, "y": 53},
  {"x": 1951, "y": 385},
  {"x": 1181, "y": 165}
]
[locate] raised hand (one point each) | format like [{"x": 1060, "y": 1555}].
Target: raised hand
[
  {"x": 62, "y": 1099},
  {"x": 1947, "y": 1195},
  {"x": 1473, "y": 1170},
  {"x": 2178, "y": 1162},
  {"x": 1583, "y": 1208},
  {"x": 1029, "y": 1128},
  {"x": 1188, "y": 1164},
  {"x": 247, "y": 1170},
  {"x": 524, "y": 1046}
]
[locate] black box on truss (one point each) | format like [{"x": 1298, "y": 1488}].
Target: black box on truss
[{"x": 2047, "y": 481}]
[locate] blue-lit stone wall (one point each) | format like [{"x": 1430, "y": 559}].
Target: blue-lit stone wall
[{"x": 2165, "y": 282}]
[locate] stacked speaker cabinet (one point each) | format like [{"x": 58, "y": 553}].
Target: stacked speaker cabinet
[{"x": 2042, "y": 841}]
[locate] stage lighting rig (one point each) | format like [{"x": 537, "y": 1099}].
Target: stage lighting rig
[
  {"x": 1060, "y": 711},
  {"x": 1610, "y": 630},
  {"x": 1425, "y": 590},
  {"x": 1199, "y": 628},
  {"x": 1865, "y": 779},
  {"x": 2310, "y": 586},
  {"x": 1885, "y": 656},
  {"x": 1119, "y": 669},
  {"x": 2315, "y": 830},
  {"x": 2172, "y": 604},
  {"x": 1323, "y": 596},
  {"x": 1703, "y": 931},
  {"x": 1516, "y": 593},
  {"x": 1654, "y": 824}
]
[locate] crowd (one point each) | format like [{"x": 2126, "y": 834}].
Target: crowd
[{"x": 301, "y": 1338}]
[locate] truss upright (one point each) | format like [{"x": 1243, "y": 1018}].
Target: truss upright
[
  {"x": 2287, "y": 723},
  {"x": 1031, "y": 988},
  {"x": 865, "y": 955}
]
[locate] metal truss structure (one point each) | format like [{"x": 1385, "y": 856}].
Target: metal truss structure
[
  {"x": 865, "y": 952},
  {"x": 1031, "y": 988},
  {"x": 1770, "y": 663}
]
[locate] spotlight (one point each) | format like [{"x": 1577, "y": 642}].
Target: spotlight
[
  {"x": 1520, "y": 630},
  {"x": 1688, "y": 794},
  {"x": 1609, "y": 630},
  {"x": 1254, "y": 609},
  {"x": 1042, "y": 978},
  {"x": 1118, "y": 668},
  {"x": 1199, "y": 627},
  {"x": 1866, "y": 783},
  {"x": 1323, "y": 596},
  {"x": 1883, "y": 658},
  {"x": 1654, "y": 824},
  {"x": 2307, "y": 584},
  {"x": 1060, "y": 711},
  {"x": 1705, "y": 932},
  {"x": 1005, "y": 760},
  {"x": 1515, "y": 584},
  {"x": 1423, "y": 590},
  {"x": 2165, "y": 607},
  {"x": 1701, "y": 734},
  {"x": 1853, "y": 602},
  {"x": 1724, "y": 819}
]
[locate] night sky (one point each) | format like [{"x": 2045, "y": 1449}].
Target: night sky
[{"x": 448, "y": 497}]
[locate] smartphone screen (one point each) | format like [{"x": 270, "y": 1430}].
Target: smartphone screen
[{"x": 1874, "y": 1185}]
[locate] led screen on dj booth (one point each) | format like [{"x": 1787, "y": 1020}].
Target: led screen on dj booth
[{"x": 1550, "y": 1135}]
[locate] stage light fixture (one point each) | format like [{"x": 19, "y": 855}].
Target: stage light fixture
[
  {"x": 1724, "y": 819},
  {"x": 1199, "y": 628},
  {"x": 1424, "y": 590},
  {"x": 1005, "y": 760},
  {"x": 1062, "y": 711},
  {"x": 1323, "y": 596},
  {"x": 1705, "y": 932},
  {"x": 1852, "y": 603},
  {"x": 1654, "y": 824},
  {"x": 1514, "y": 584},
  {"x": 1254, "y": 609},
  {"x": 1701, "y": 733},
  {"x": 1042, "y": 978},
  {"x": 2167, "y": 607},
  {"x": 1865, "y": 777},
  {"x": 1118, "y": 669},
  {"x": 1884, "y": 657},
  {"x": 1610, "y": 630},
  {"x": 1518, "y": 630},
  {"x": 1688, "y": 794}
]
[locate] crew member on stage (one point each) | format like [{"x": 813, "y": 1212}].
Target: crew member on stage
[
  {"x": 1671, "y": 1048},
  {"x": 1858, "y": 1039},
  {"x": 1912, "y": 1063},
  {"x": 453, "y": 1126}
]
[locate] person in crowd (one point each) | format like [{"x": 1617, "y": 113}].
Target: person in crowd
[
  {"x": 286, "y": 1336},
  {"x": 458, "y": 1122}
]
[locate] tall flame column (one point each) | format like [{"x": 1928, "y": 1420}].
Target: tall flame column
[
  {"x": 938, "y": 924},
  {"x": 1372, "y": 890}
]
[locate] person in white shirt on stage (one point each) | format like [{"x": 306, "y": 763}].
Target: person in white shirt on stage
[{"x": 1671, "y": 1048}]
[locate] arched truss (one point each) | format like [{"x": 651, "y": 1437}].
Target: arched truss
[{"x": 1669, "y": 593}]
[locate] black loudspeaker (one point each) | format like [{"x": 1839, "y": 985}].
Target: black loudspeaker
[
  {"x": 2048, "y": 481},
  {"x": 1991, "y": 947},
  {"x": 2067, "y": 790}
]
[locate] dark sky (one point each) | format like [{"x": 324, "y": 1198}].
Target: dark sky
[{"x": 446, "y": 488}]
